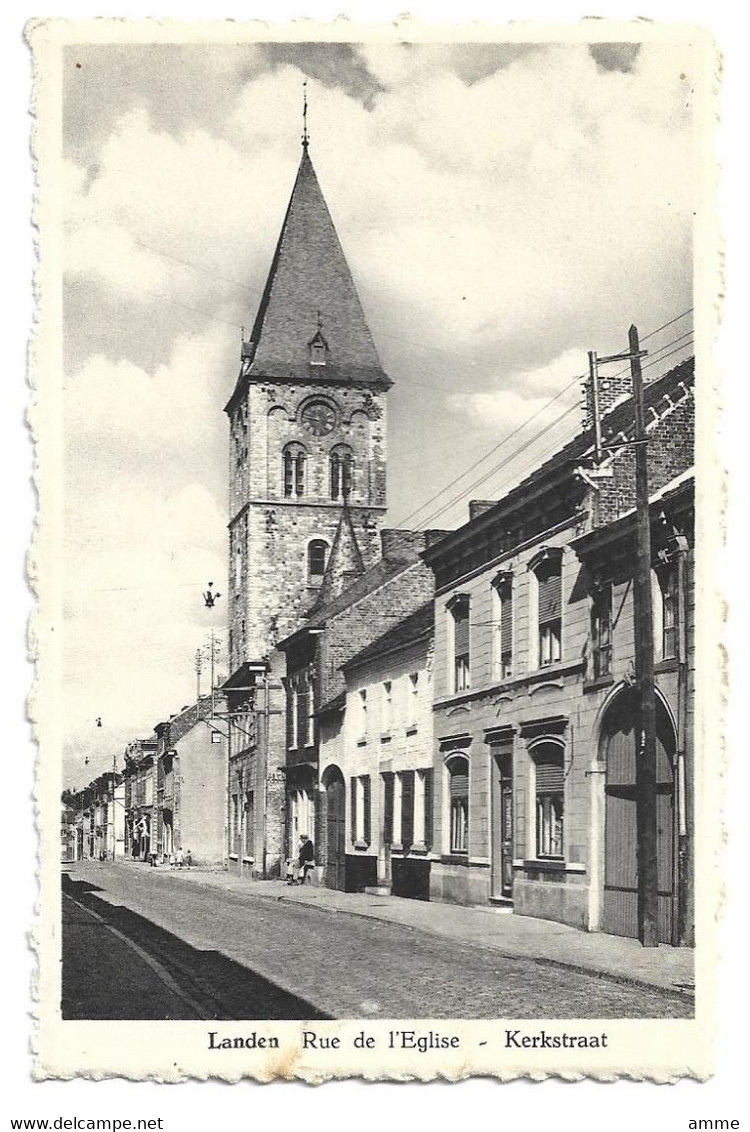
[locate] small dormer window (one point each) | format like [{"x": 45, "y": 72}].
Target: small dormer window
[{"x": 318, "y": 350}]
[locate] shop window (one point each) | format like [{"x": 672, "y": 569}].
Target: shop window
[
  {"x": 294, "y": 470},
  {"x": 502, "y": 627},
  {"x": 550, "y": 799},
  {"x": 458, "y": 793},
  {"x": 548, "y": 575},
  {"x": 458, "y": 608},
  {"x": 601, "y": 629}
]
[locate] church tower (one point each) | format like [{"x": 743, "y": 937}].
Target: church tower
[{"x": 307, "y": 431}]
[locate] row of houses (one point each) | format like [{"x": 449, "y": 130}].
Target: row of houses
[{"x": 448, "y": 715}]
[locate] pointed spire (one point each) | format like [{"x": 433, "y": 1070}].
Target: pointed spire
[
  {"x": 345, "y": 562},
  {"x": 309, "y": 285}
]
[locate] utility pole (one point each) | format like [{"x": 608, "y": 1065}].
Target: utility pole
[
  {"x": 645, "y": 739},
  {"x": 648, "y": 878},
  {"x": 198, "y": 666}
]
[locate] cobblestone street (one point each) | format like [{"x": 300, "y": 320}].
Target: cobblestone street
[{"x": 224, "y": 954}]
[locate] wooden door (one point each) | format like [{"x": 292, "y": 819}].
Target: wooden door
[
  {"x": 335, "y": 831},
  {"x": 502, "y": 825},
  {"x": 620, "y": 904}
]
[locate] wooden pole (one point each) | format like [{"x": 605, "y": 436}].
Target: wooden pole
[{"x": 648, "y": 879}]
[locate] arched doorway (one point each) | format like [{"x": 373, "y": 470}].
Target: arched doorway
[
  {"x": 335, "y": 858},
  {"x": 617, "y": 750}
]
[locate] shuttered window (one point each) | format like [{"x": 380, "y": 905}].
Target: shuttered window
[
  {"x": 361, "y": 823},
  {"x": 549, "y": 609},
  {"x": 303, "y": 707},
  {"x": 550, "y": 799},
  {"x": 388, "y": 809},
  {"x": 502, "y": 660},
  {"x": 461, "y": 645},
  {"x": 249, "y": 823},
  {"x": 407, "y": 807},
  {"x": 458, "y": 791},
  {"x": 668, "y": 584},
  {"x": 366, "y": 818},
  {"x": 601, "y": 631},
  {"x": 427, "y": 784},
  {"x": 353, "y": 808}
]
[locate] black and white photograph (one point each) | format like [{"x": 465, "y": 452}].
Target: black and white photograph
[{"x": 376, "y": 672}]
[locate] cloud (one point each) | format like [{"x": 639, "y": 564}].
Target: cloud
[{"x": 503, "y": 210}]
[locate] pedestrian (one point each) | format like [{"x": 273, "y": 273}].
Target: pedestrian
[
  {"x": 179, "y": 858},
  {"x": 305, "y": 860},
  {"x": 189, "y": 859}
]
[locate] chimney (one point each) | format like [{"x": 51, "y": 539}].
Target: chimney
[
  {"x": 397, "y": 543},
  {"x": 611, "y": 388},
  {"x": 479, "y": 506}
]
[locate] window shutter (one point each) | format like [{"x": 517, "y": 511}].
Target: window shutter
[
  {"x": 407, "y": 807},
  {"x": 303, "y": 692},
  {"x": 366, "y": 807},
  {"x": 353, "y": 797},
  {"x": 549, "y": 775},
  {"x": 550, "y": 592},
  {"x": 428, "y": 808},
  {"x": 506, "y": 618},
  {"x": 288, "y": 717},
  {"x": 388, "y": 808},
  {"x": 461, "y": 631}
]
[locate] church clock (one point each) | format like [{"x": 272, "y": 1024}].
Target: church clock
[{"x": 318, "y": 418}]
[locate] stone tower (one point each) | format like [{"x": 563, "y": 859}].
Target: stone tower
[{"x": 307, "y": 431}]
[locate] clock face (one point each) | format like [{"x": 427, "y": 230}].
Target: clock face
[{"x": 318, "y": 418}]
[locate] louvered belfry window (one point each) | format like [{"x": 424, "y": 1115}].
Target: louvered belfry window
[
  {"x": 549, "y": 605},
  {"x": 550, "y": 799},
  {"x": 294, "y": 470}
]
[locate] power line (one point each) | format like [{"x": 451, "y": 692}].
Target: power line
[
  {"x": 494, "y": 449},
  {"x": 194, "y": 267},
  {"x": 656, "y": 360},
  {"x": 664, "y": 325}
]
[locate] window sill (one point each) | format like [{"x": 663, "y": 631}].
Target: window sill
[
  {"x": 362, "y": 742},
  {"x": 550, "y": 865},
  {"x": 360, "y": 845},
  {"x": 412, "y": 729},
  {"x": 671, "y": 664},
  {"x": 386, "y": 737},
  {"x": 599, "y": 682}
]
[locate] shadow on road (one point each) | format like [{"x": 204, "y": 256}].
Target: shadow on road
[{"x": 92, "y": 963}]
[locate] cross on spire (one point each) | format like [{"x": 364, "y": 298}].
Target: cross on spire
[{"x": 305, "y": 135}]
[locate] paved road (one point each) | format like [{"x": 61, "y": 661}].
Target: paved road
[{"x": 242, "y": 956}]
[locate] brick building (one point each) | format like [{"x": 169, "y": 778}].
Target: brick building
[
  {"x": 191, "y": 783},
  {"x": 534, "y": 713},
  {"x": 307, "y": 425},
  {"x": 357, "y": 607}
]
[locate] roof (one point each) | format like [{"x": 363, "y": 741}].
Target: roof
[
  {"x": 344, "y": 562},
  {"x": 419, "y": 626},
  {"x": 619, "y": 419},
  {"x": 310, "y": 292}
]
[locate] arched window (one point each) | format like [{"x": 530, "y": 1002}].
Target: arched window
[
  {"x": 342, "y": 472},
  {"x": 458, "y": 794},
  {"x": 317, "y": 554},
  {"x": 294, "y": 470}
]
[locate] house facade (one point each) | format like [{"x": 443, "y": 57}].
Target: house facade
[
  {"x": 139, "y": 797},
  {"x": 379, "y": 733},
  {"x": 191, "y": 783},
  {"x": 357, "y": 607},
  {"x": 534, "y": 715}
]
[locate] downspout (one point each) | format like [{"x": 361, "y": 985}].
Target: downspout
[{"x": 682, "y": 703}]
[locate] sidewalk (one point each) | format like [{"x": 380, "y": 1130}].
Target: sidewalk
[{"x": 668, "y": 968}]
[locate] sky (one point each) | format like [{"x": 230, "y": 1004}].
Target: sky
[{"x": 504, "y": 209}]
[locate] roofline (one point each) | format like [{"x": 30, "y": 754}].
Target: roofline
[
  {"x": 389, "y": 650},
  {"x": 544, "y": 477}
]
